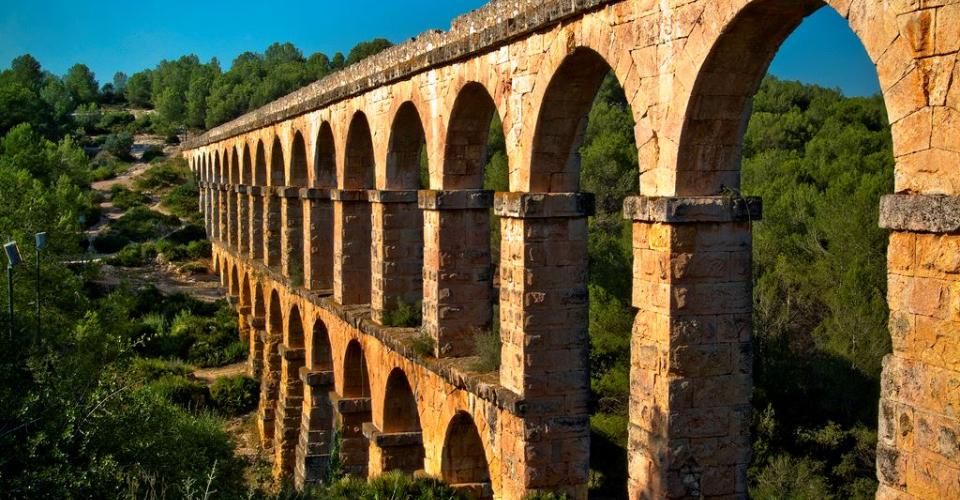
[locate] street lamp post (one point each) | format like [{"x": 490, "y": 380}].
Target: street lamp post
[
  {"x": 40, "y": 239},
  {"x": 13, "y": 260}
]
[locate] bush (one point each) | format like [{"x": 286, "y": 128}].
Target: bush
[
  {"x": 115, "y": 121},
  {"x": 110, "y": 242},
  {"x": 423, "y": 345},
  {"x": 167, "y": 174},
  {"x": 151, "y": 153},
  {"x": 136, "y": 255},
  {"x": 202, "y": 249},
  {"x": 142, "y": 224},
  {"x": 488, "y": 352},
  {"x": 181, "y": 391},
  {"x": 392, "y": 484},
  {"x": 119, "y": 144},
  {"x": 235, "y": 395},
  {"x": 188, "y": 234},
  {"x": 405, "y": 315},
  {"x": 149, "y": 369},
  {"x": 125, "y": 199}
]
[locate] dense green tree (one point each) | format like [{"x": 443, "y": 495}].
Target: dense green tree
[
  {"x": 366, "y": 49},
  {"x": 82, "y": 84},
  {"x": 27, "y": 71},
  {"x": 139, "y": 89}
]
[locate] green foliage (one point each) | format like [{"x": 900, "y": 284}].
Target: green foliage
[
  {"x": 119, "y": 145},
  {"x": 81, "y": 84},
  {"x": 169, "y": 174},
  {"x": 125, "y": 199},
  {"x": 235, "y": 395},
  {"x": 181, "y": 391},
  {"x": 144, "y": 370},
  {"x": 388, "y": 486},
  {"x": 405, "y": 315},
  {"x": 423, "y": 345},
  {"x": 364, "y": 50},
  {"x": 488, "y": 351}
]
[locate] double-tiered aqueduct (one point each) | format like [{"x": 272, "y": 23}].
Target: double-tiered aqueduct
[{"x": 318, "y": 229}]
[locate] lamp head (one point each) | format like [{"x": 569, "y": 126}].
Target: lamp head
[
  {"x": 41, "y": 240},
  {"x": 13, "y": 254}
]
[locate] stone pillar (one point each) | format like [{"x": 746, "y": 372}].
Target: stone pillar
[
  {"x": 222, "y": 214},
  {"x": 397, "y": 251},
  {"x": 215, "y": 212},
  {"x": 457, "y": 274},
  {"x": 402, "y": 451},
  {"x": 691, "y": 354},
  {"x": 544, "y": 333},
  {"x": 351, "y": 247},
  {"x": 286, "y": 432},
  {"x": 231, "y": 211},
  {"x": 272, "y": 228},
  {"x": 243, "y": 220},
  {"x": 291, "y": 245},
  {"x": 918, "y": 450},
  {"x": 257, "y": 333},
  {"x": 204, "y": 195},
  {"x": 318, "y": 231},
  {"x": 349, "y": 416},
  {"x": 269, "y": 387},
  {"x": 256, "y": 202},
  {"x": 316, "y": 428}
]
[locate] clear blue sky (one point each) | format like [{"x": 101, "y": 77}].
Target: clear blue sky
[{"x": 110, "y": 35}]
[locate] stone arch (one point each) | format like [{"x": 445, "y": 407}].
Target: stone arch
[
  {"x": 356, "y": 380},
  {"x": 246, "y": 169},
  {"x": 399, "y": 405},
  {"x": 358, "y": 165},
  {"x": 464, "y": 461},
  {"x": 325, "y": 158},
  {"x": 234, "y": 166},
  {"x": 407, "y": 139},
  {"x": 275, "y": 314},
  {"x": 294, "y": 333},
  {"x": 277, "y": 163},
  {"x": 299, "y": 171},
  {"x": 234, "y": 281},
  {"x": 468, "y": 129},
  {"x": 260, "y": 165},
  {"x": 245, "y": 290},
  {"x": 259, "y": 304},
  {"x": 321, "y": 353},
  {"x": 555, "y": 160}
]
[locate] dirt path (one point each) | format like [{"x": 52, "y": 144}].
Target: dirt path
[{"x": 208, "y": 375}]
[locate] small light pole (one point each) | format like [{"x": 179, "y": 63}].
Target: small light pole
[
  {"x": 40, "y": 239},
  {"x": 13, "y": 260}
]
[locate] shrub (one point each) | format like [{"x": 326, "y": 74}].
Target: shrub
[
  {"x": 181, "y": 391},
  {"x": 150, "y": 369},
  {"x": 110, "y": 242},
  {"x": 405, "y": 315},
  {"x": 151, "y": 153},
  {"x": 194, "y": 268},
  {"x": 115, "y": 121},
  {"x": 202, "y": 249},
  {"x": 423, "y": 345},
  {"x": 187, "y": 234},
  {"x": 392, "y": 484},
  {"x": 167, "y": 174},
  {"x": 488, "y": 351},
  {"x": 119, "y": 144},
  {"x": 135, "y": 255},
  {"x": 142, "y": 224},
  {"x": 125, "y": 199},
  {"x": 235, "y": 395}
]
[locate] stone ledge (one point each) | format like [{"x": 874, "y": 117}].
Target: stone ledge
[
  {"x": 256, "y": 190},
  {"x": 543, "y": 205},
  {"x": 315, "y": 193},
  {"x": 345, "y": 405},
  {"x": 692, "y": 209},
  {"x": 390, "y": 439},
  {"x": 292, "y": 353},
  {"x": 316, "y": 378},
  {"x": 388, "y": 196},
  {"x": 287, "y": 191},
  {"x": 480, "y": 31},
  {"x": 462, "y": 199},
  {"x": 258, "y": 322},
  {"x": 920, "y": 213},
  {"x": 348, "y": 194},
  {"x": 241, "y": 188}
]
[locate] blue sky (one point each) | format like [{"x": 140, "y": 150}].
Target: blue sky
[{"x": 111, "y": 36}]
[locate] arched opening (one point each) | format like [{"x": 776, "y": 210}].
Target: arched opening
[
  {"x": 259, "y": 304},
  {"x": 294, "y": 338},
  {"x": 218, "y": 202},
  {"x": 400, "y": 418},
  {"x": 277, "y": 163},
  {"x": 243, "y": 202},
  {"x": 356, "y": 382},
  {"x": 246, "y": 169},
  {"x": 273, "y": 208},
  {"x": 351, "y": 280},
  {"x": 321, "y": 354},
  {"x": 245, "y": 291},
  {"x": 276, "y": 315},
  {"x": 233, "y": 213},
  {"x": 810, "y": 277},
  {"x": 585, "y": 141},
  {"x": 358, "y": 169},
  {"x": 257, "y": 202},
  {"x": 234, "y": 282},
  {"x": 474, "y": 159},
  {"x": 464, "y": 461},
  {"x": 398, "y": 248},
  {"x": 400, "y": 405},
  {"x": 325, "y": 163},
  {"x": 234, "y": 166},
  {"x": 294, "y": 228}
]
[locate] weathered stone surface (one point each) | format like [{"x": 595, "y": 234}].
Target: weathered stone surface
[
  {"x": 920, "y": 213},
  {"x": 692, "y": 209}
]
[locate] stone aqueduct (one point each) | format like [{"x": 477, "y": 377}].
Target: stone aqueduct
[{"x": 319, "y": 229}]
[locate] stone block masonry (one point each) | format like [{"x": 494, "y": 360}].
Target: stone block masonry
[{"x": 333, "y": 229}]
